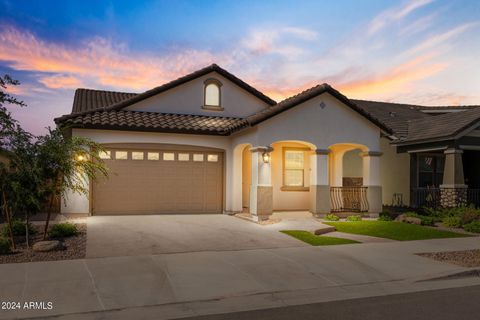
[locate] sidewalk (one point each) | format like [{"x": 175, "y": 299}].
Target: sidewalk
[{"x": 186, "y": 284}]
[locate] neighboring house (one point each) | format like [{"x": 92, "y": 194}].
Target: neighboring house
[{"x": 210, "y": 143}]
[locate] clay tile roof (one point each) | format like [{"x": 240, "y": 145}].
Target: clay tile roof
[
  {"x": 88, "y": 99},
  {"x": 152, "y": 121},
  {"x": 445, "y": 126},
  {"x": 394, "y": 115}
]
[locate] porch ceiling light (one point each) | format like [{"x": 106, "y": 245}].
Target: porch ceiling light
[{"x": 266, "y": 157}]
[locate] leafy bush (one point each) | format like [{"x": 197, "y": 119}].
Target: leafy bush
[
  {"x": 469, "y": 215},
  {"x": 18, "y": 228},
  {"x": 425, "y": 220},
  {"x": 472, "y": 227},
  {"x": 5, "y": 246},
  {"x": 384, "y": 216},
  {"x": 63, "y": 230},
  {"x": 452, "y": 222},
  {"x": 428, "y": 221},
  {"x": 431, "y": 212},
  {"x": 354, "y": 218},
  {"x": 332, "y": 217}
]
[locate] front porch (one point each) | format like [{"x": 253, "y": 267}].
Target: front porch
[
  {"x": 448, "y": 177},
  {"x": 296, "y": 176}
]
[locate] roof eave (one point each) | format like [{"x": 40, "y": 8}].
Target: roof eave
[{"x": 147, "y": 129}]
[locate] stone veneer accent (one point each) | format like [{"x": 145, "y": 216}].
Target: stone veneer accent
[{"x": 453, "y": 197}]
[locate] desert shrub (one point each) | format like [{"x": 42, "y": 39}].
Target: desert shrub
[
  {"x": 332, "y": 217},
  {"x": 354, "y": 218},
  {"x": 425, "y": 220},
  {"x": 469, "y": 215},
  {"x": 385, "y": 216},
  {"x": 18, "y": 228},
  {"x": 4, "y": 246},
  {"x": 432, "y": 212},
  {"x": 452, "y": 222},
  {"x": 472, "y": 227},
  {"x": 63, "y": 230}
]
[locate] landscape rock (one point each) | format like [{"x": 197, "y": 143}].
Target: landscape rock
[
  {"x": 407, "y": 219},
  {"x": 46, "y": 246},
  {"x": 413, "y": 220}
]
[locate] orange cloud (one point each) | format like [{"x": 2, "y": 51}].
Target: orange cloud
[
  {"x": 97, "y": 63},
  {"x": 394, "y": 81},
  {"x": 397, "y": 79},
  {"x": 61, "y": 82}
]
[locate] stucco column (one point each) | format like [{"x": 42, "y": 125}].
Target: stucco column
[
  {"x": 319, "y": 186},
  {"x": 336, "y": 160},
  {"x": 261, "y": 191},
  {"x": 371, "y": 180},
  {"x": 453, "y": 191}
]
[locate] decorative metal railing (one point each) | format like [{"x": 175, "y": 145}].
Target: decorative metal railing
[
  {"x": 348, "y": 199},
  {"x": 431, "y": 197},
  {"x": 473, "y": 197},
  {"x": 425, "y": 197}
]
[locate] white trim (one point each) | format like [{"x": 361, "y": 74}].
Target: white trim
[
  {"x": 468, "y": 130},
  {"x": 474, "y": 133},
  {"x": 443, "y": 111},
  {"x": 428, "y": 149},
  {"x": 452, "y": 150},
  {"x": 466, "y": 147}
]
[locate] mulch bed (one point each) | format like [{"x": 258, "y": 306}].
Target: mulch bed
[
  {"x": 465, "y": 258},
  {"x": 75, "y": 248}
]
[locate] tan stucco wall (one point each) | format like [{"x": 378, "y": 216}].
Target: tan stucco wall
[
  {"x": 323, "y": 127},
  {"x": 288, "y": 200},
  {"x": 394, "y": 173},
  {"x": 188, "y": 99},
  {"x": 352, "y": 164}
]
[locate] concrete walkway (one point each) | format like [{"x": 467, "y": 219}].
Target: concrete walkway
[{"x": 185, "y": 284}]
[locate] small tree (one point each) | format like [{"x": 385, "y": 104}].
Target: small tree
[
  {"x": 68, "y": 164},
  {"x": 10, "y": 131}
]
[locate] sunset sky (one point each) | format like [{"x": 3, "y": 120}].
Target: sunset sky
[{"x": 424, "y": 52}]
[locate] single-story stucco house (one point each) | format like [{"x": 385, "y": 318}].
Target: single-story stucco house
[{"x": 210, "y": 143}]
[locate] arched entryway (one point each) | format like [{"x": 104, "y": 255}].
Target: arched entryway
[{"x": 348, "y": 193}]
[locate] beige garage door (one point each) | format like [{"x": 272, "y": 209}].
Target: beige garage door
[{"x": 160, "y": 181}]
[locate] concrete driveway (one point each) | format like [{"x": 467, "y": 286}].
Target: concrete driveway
[{"x": 110, "y": 236}]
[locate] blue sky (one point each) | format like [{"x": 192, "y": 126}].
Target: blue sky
[{"x": 422, "y": 51}]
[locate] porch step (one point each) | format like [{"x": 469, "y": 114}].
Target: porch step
[{"x": 325, "y": 230}]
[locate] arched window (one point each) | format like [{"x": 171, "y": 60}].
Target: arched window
[{"x": 212, "y": 93}]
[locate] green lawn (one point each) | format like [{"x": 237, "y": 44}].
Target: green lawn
[
  {"x": 314, "y": 240},
  {"x": 393, "y": 230}
]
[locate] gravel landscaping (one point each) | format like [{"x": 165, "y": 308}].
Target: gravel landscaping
[
  {"x": 75, "y": 248},
  {"x": 466, "y": 258}
]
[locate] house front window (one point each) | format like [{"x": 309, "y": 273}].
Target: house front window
[
  {"x": 294, "y": 170},
  {"x": 430, "y": 170},
  {"x": 212, "y": 95}
]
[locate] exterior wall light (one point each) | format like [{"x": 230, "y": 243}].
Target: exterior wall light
[
  {"x": 266, "y": 157},
  {"x": 81, "y": 157}
]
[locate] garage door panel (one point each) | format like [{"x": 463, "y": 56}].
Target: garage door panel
[{"x": 159, "y": 186}]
